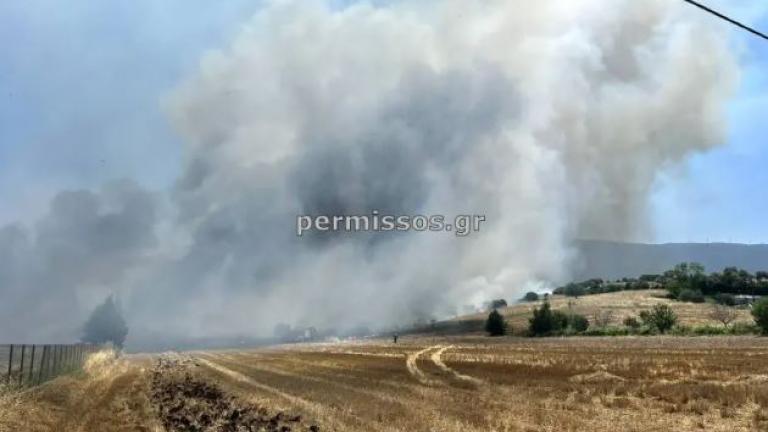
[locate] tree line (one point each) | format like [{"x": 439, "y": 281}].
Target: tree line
[{"x": 686, "y": 281}]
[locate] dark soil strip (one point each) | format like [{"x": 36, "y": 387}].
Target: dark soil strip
[{"x": 186, "y": 403}]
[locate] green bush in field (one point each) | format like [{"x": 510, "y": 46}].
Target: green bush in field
[
  {"x": 760, "y": 314},
  {"x": 661, "y": 318},
  {"x": 691, "y": 296},
  {"x": 725, "y": 299},
  {"x": 542, "y": 322},
  {"x": 744, "y": 328},
  {"x": 632, "y": 322},
  {"x": 578, "y": 323},
  {"x": 559, "y": 321},
  {"x": 607, "y": 331}
]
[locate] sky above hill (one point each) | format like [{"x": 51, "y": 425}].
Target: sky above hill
[
  {"x": 83, "y": 102},
  {"x": 161, "y": 151}
]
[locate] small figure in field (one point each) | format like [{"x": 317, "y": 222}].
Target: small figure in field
[{"x": 394, "y": 338}]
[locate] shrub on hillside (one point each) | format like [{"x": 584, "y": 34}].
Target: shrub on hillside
[
  {"x": 691, "y": 296},
  {"x": 725, "y": 299},
  {"x": 495, "y": 324},
  {"x": 559, "y": 321},
  {"x": 760, "y": 314},
  {"x": 723, "y": 314},
  {"x": 545, "y": 322},
  {"x": 574, "y": 290},
  {"x": 542, "y": 321},
  {"x": 578, "y": 323},
  {"x": 743, "y": 328},
  {"x": 607, "y": 331},
  {"x": 632, "y": 322},
  {"x": 661, "y": 318}
]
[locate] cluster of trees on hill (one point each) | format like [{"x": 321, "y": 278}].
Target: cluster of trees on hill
[{"x": 686, "y": 282}]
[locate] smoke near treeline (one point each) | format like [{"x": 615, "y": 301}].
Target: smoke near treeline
[{"x": 552, "y": 119}]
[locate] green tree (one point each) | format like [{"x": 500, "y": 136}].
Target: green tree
[
  {"x": 560, "y": 321},
  {"x": 106, "y": 324},
  {"x": 495, "y": 324},
  {"x": 498, "y": 303},
  {"x": 685, "y": 276},
  {"x": 574, "y": 290},
  {"x": 531, "y": 296},
  {"x": 661, "y": 317},
  {"x": 760, "y": 314},
  {"x": 542, "y": 322}
]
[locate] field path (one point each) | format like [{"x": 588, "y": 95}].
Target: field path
[
  {"x": 237, "y": 376},
  {"x": 437, "y": 359},
  {"x": 413, "y": 368},
  {"x": 316, "y": 409}
]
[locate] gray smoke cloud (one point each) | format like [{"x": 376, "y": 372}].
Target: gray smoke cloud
[
  {"x": 552, "y": 119},
  {"x": 85, "y": 244}
]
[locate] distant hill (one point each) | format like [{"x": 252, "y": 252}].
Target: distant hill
[
  {"x": 614, "y": 260},
  {"x": 622, "y": 304}
]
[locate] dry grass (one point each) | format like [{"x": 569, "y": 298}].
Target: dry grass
[{"x": 109, "y": 395}]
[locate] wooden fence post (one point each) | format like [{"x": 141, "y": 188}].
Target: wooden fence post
[
  {"x": 42, "y": 364},
  {"x": 32, "y": 365},
  {"x": 10, "y": 364},
  {"x": 21, "y": 368},
  {"x": 56, "y": 355}
]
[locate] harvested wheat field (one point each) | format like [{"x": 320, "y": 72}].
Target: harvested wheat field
[{"x": 421, "y": 384}]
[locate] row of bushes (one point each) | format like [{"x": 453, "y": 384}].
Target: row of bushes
[
  {"x": 660, "y": 319},
  {"x": 686, "y": 281}
]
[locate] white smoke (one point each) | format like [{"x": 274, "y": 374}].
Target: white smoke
[{"x": 552, "y": 118}]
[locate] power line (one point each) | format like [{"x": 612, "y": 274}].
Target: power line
[{"x": 730, "y": 20}]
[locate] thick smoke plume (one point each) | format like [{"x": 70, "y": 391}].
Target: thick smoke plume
[{"x": 551, "y": 118}]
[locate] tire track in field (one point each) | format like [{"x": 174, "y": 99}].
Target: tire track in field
[
  {"x": 289, "y": 375},
  {"x": 320, "y": 411},
  {"x": 413, "y": 368},
  {"x": 237, "y": 376},
  {"x": 436, "y": 358}
]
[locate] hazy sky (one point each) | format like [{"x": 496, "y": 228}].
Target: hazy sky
[
  {"x": 557, "y": 122},
  {"x": 82, "y": 90}
]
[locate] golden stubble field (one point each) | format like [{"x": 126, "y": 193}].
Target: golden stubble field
[{"x": 428, "y": 384}]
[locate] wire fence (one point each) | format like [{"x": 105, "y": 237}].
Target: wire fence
[{"x": 30, "y": 365}]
